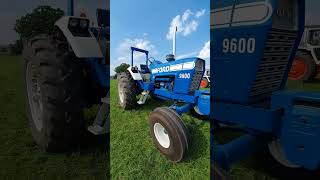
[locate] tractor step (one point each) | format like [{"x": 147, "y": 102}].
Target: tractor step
[
  {"x": 144, "y": 96},
  {"x": 101, "y": 123}
]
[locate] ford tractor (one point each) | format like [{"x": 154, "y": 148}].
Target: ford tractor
[
  {"x": 175, "y": 80},
  {"x": 306, "y": 64},
  {"x": 66, "y": 72},
  {"x": 255, "y": 43}
]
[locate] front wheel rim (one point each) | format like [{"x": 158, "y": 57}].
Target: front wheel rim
[{"x": 161, "y": 135}]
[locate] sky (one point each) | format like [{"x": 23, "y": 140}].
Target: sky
[
  {"x": 148, "y": 25},
  {"x": 145, "y": 23}
]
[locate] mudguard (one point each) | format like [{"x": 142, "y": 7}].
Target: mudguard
[{"x": 83, "y": 47}]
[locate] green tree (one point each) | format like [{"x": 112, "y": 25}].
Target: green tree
[
  {"x": 121, "y": 68},
  {"x": 40, "y": 21}
]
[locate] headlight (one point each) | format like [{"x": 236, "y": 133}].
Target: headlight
[
  {"x": 73, "y": 22},
  {"x": 84, "y": 23}
]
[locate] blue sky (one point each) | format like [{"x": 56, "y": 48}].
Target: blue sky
[{"x": 146, "y": 24}]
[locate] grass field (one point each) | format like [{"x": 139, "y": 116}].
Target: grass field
[
  {"x": 134, "y": 156},
  {"x": 20, "y": 158}
]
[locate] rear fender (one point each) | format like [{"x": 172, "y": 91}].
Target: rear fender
[{"x": 83, "y": 47}]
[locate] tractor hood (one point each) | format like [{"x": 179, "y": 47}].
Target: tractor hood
[{"x": 174, "y": 66}]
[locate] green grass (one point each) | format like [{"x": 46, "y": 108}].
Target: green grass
[
  {"x": 262, "y": 166},
  {"x": 20, "y": 158},
  {"x": 133, "y": 154}
]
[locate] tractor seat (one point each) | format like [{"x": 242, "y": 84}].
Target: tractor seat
[
  {"x": 103, "y": 18},
  {"x": 144, "y": 69}
]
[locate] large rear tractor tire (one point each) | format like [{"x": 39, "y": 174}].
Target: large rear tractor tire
[
  {"x": 303, "y": 68},
  {"x": 169, "y": 133},
  {"x": 127, "y": 91},
  {"x": 54, "y": 89}
]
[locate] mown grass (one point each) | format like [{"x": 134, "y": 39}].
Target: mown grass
[
  {"x": 133, "y": 154},
  {"x": 20, "y": 158}
]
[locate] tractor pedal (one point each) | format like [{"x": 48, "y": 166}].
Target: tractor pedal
[
  {"x": 96, "y": 129},
  {"x": 143, "y": 98},
  {"x": 101, "y": 123}
]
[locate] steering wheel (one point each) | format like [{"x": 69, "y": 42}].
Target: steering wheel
[{"x": 151, "y": 59}]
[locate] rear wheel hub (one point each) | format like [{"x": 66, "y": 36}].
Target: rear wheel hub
[{"x": 298, "y": 70}]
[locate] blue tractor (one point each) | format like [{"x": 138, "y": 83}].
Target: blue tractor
[
  {"x": 66, "y": 72},
  {"x": 175, "y": 80},
  {"x": 253, "y": 46}
]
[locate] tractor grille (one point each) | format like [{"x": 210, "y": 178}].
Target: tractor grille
[
  {"x": 196, "y": 79},
  {"x": 274, "y": 62}
]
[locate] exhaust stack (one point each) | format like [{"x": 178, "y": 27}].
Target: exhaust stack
[{"x": 174, "y": 41}]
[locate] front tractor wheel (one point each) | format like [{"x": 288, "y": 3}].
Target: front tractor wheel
[
  {"x": 127, "y": 90},
  {"x": 53, "y": 85},
  {"x": 169, "y": 133},
  {"x": 303, "y": 68}
]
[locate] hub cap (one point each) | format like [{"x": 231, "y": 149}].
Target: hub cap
[
  {"x": 161, "y": 135},
  {"x": 34, "y": 96},
  {"x": 203, "y": 83},
  {"x": 298, "y": 69}
]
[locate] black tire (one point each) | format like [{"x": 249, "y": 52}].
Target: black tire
[
  {"x": 52, "y": 69},
  {"x": 218, "y": 173},
  {"x": 127, "y": 91},
  {"x": 176, "y": 131},
  {"x": 311, "y": 71}
]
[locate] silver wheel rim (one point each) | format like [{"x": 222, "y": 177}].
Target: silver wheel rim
[
  {"x": 121, "y": 95},
  {"x": 161, "y": 135},
  {"x": 276, "y": 150},
  {"x": 34, "y": 97}
]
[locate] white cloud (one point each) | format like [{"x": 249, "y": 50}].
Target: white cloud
[
  {"x": 190, "y": 27},
  {"x": 186, "y": 23},
  {"x": 124, "y": 51},
  {"x": 200, "y": 13},
  {"x": 186, "y": 55},
  {"x": 186, "y": 15},
  {"x": 205, "y": 51}
]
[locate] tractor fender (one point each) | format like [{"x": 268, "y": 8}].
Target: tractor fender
[
  {"x": 135, "y": 76},
  {"x": 83, "y": 47}
]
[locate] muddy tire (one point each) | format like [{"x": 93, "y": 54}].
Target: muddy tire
[
  {"x": 169, "y": 133},
  {"x": 304, "y": 67},
  {"x": 127, "y": 91},
  {"x": 53, "y": 84}
]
